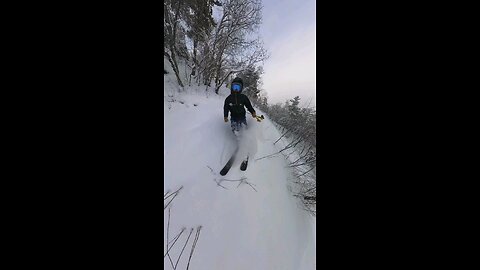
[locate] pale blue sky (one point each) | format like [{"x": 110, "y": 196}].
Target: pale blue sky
[{"x": 288, "y": 31}]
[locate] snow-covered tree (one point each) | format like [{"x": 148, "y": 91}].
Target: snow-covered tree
[{"x": 298, "y": 125}]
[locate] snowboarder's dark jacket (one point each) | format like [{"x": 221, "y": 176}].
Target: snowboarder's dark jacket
[{"x": 234, "y": 103}]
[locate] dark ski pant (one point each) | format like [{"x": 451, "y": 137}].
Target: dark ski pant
[{"x": 238, "y": 123}]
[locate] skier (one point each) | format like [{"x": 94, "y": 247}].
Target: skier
[{"x": 235, "y": 103}]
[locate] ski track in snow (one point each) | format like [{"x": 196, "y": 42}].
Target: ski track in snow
[{"x": 241, "y": 228}]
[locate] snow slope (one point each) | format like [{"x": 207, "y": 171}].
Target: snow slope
[{"x": 254, "y": 224}]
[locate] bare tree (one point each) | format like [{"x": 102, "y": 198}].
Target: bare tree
[
  {"x": 172, "y": 16},
  {"x": 231, "y": 48}
]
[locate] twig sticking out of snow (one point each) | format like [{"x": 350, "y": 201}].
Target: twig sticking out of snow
[
  {"x": 211, "y": 170},
  {"x": 268, "y": 156},
  {"x": 170, "y": 244},
  {"x": 191, "y": 231},
  {"x": 242, "y": 180},
  {"x": 168, "y": 195},
  {"x": 174, "y": 241},
  {"x": 218, "y": 183},
  {"x": 197, "y": 235}
]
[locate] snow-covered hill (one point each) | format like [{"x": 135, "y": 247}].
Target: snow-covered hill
[{"x": 249, "y": 219}]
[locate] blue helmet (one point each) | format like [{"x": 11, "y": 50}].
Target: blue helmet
[{"x": 237, "y": 85}]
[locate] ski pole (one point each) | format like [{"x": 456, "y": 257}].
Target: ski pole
[{"x": 260, "y": 118}]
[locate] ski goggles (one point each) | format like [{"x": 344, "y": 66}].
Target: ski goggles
[{"x": 236, "y": 87}]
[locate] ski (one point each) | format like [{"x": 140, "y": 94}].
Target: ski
[
  {"x": 244, "y": 165},
  {"x": 227, "y": 166}
]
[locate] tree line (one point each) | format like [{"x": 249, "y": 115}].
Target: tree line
[
  {"x": 297, "y": 124},
  {"x": 215, "y": 49}
]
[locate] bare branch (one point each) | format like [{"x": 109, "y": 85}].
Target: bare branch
[
  {"x": 188, "y": 238},
  {"x": 197, "y": 235}
]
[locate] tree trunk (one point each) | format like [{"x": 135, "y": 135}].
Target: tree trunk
[
  {"x": 222, "y": 81},
  {"x": 173, "y": 47},
  {"x": 195, "y": 43},
  {"x": 173, "y": 62}
]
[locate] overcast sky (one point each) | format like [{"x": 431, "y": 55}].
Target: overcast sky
[{"x": 288, "y": 31}]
